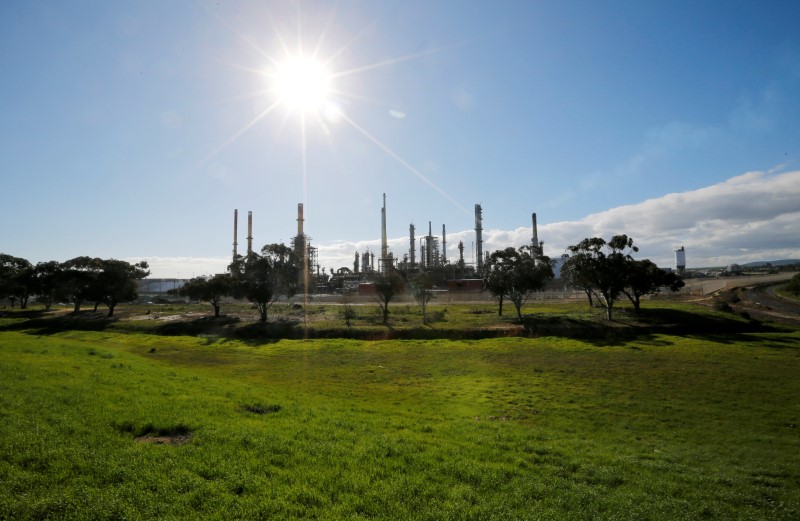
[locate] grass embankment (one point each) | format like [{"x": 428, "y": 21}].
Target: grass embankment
[{"x": 660, "y": 427}]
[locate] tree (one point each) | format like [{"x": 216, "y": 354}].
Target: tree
[
  {"x": 574, "y": 272},
  {"x": 16, "y": 279},
  {"x": 387, "y": 285},
  {"x": 602, "y": 267},
  {"x": 75, "y": 280},
  {"x": 117, "y": 282},
  {"x": 422, "y": 291},
  {"x": 644, "y": 277},
  {"x": 46, "y": 280},
  {"x": 264, "y": 278},
  {"x": 209, "y": 290},
  {"x": 516, "y": 274},
  {"x": 793, "y": 286}
]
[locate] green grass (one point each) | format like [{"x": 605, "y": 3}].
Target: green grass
[
  {"x": 660, "y": 427},
  {"x": 446, "y": 321}
]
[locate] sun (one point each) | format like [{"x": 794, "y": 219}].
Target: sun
[{"x": 302, "y": 84}]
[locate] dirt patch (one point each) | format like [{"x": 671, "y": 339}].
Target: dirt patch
[
  {"x": 257, "y": 408},
  {"x": 175, "y": 439}
]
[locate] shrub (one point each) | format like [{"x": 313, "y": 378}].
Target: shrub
[
  {"x": 794, "y": 285},
  {"x": 721, "y": 305}
]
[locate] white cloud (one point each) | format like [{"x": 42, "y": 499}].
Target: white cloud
[{"x": 397, "y": 114}]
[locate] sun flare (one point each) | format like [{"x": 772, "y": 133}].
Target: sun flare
[{"x": 302, "y": 84}]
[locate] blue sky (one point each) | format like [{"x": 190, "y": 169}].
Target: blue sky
[{"x": 122, "y": 129}]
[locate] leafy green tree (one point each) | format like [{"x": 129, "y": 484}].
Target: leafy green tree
[
  {"x": 602, "y": 267},
  {"x": 46, "y": 280},
  {"x": 644, "y": 278},
  {"x": 117, "y": 281},
  {"x": 16, "y": 279},
  {"x": 515, "y": 274},
  {"x": 211, "y": 290},
  {"x": 75, "y": 281},
  {"x": 422, "y": 291},
  {"x": 387, "y": 285},
  {"x": 575, "y": 272},
  {"x": 264, "y": 278}
]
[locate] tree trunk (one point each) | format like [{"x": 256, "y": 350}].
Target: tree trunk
[
  {"x": 77, "y": 307},
  {"x": 589, "y": 294},
  {"x": 216, "y": 310},
  {"x": 500, "y": 309},
  {"x": 111, "y": 309}
]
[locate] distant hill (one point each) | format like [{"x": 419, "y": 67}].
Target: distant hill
[{"x": 758, "y": 264}]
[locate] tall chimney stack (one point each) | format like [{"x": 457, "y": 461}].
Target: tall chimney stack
[
  {"x": 535, "y": 235},
  {"x": 384, "y": 243},
  {"x": 249, "y": 233},
  {"x": 412, "y": 241},
  {"x": 299, "y": 219},
  {"x": 235, "y": 224},
  {"x": 479, "y": 236},
  {"x": 444, "y": 245}
]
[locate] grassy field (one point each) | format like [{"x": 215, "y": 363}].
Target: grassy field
[{"x": 660, "y": 426}]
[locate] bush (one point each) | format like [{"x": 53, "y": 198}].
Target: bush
[
  {"x": 723, "y": 306},
  {"x": 794, "y": 285}
]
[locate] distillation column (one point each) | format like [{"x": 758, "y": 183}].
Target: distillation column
[
  {"x": 235, "y": 224},
  {"x": 479, "y": 236},
  {"x": 444, "y": 246},
  {"x": 413, "y": 244},
  {"x": 249, "y": 233},
  {"x": 384, "y": 244}
]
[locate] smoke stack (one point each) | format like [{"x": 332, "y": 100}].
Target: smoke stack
[
  {"x": 249, "y": 233},
  {"x": 235, "y": 224},
  {"x": 479, "y": 236},
  {"x": 444, "y": 245},
  {"x": 413, "y": 250},
  {"x": 300, "y": 219},
  {"x": 535, "y": 236},
  {"x": 384, "y": 244},
  {"x": 429, "y": 260}
]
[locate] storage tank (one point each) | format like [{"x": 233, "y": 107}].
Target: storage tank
[{"x": 680, "y": 260}]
